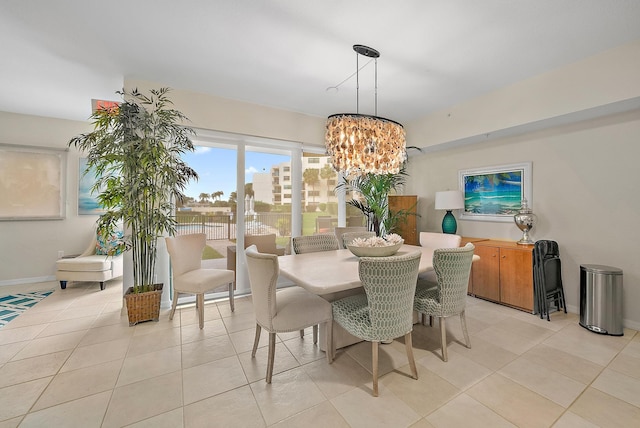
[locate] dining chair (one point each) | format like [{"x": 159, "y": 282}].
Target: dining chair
[
  {"x": 315, "y": 243},
  {"x": 435, "y": 240},
  {"x": 385, "y": 311},
  {"x": 189, "y": 277},
  {"x": 339, "y": 231},
  {"x": 449, "y": 296},
  {"x": 286, "y": 310},
  {"x": 348, "y": 237}
]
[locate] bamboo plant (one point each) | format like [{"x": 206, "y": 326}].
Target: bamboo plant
[{"x": 135, "y": 150}]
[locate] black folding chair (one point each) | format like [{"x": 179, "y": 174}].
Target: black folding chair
[{"x": 547, "y": 277}]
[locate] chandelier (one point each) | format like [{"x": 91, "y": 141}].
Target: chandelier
[{"x": 362, "y": 144}]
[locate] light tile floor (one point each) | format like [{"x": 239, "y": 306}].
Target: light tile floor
[{"x": 73, "y": 361}]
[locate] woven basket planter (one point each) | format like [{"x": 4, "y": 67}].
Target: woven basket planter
[{"x": 143, "y": 306}]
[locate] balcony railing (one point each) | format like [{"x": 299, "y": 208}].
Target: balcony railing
[{"x": 223, "y": 226}]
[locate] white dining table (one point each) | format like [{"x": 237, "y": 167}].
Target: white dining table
[
  {"x": 328, "y": 272},
  {"x": 334, "y": 275}
]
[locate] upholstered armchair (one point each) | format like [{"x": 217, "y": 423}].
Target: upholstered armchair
[
  {"x": 264, "y": 243},
  {"x": 435, "y": 240},
  {"x": 286, "y": 310},
  {"x": 188, "y": 275},
  {"x": 94, "y": 264}
]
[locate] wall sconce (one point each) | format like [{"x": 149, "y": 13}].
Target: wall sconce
[{"x": 449, "y": 200}]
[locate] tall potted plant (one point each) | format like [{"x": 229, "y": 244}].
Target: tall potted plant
[{"x": 135, "y": 150}]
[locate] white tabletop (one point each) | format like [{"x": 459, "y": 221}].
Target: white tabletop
[{"x": 326, "y": 272}]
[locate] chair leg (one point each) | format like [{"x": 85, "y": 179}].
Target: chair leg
[
  {"x": 315, "y": 334},
  {"x": 301, "y": 334},
  {"x": 328, "y": 332},
  {"x": 409, "y": 347},
  {"x": 200, "y": 305},
  {"x": 374, "y": 367},
  {"x": 430, "y": 320},
  {"x": 272, "y": 353},
  {"x": 174, "y": 303},
  {"x": 443, "y": 338},
  {"x": 231, "y": 302},
  {"x": 463, "y": 321},
  {"x": 256, "y": 340}
]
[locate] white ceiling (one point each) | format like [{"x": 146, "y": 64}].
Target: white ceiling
[{"x": 57, "y": 55}]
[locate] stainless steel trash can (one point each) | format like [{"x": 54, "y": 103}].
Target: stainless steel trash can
[{"x": 601, "y": 299}]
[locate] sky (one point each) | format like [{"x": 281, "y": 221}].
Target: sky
[{"x": 216, "y": 168}]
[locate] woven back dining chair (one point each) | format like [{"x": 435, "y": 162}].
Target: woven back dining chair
[
  {"x": 315, "y": 243},
  {"x": 385, "y": 311},
  {"x": 449, "y": 296},
  {"x": 339, "y": 231}
]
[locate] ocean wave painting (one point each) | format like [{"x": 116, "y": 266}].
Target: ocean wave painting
[
  {"x": 87, "y": 202},
  {"x": 494, "y": 193}
]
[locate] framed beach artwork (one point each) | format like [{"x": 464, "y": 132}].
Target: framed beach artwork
[
  {"x": 495, "y": 193},
  {"x": 87, "y": 202},
  {"x": 32, "y": 183}
]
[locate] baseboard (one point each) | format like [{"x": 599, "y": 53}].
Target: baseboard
[{"x": 28, "y": 280}]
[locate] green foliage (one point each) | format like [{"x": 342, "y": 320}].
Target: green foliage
[
  {"x": 373, "y": 190},
  {"x": 136, "y": 150}
]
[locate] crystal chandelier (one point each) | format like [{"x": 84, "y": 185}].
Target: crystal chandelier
[{"x": 362, "y": 144}]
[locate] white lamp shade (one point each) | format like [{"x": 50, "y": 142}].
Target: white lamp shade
[{"x": 449, "y": 200}]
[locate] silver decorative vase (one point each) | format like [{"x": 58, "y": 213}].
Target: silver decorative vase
[{"x": 525, "y": 220}]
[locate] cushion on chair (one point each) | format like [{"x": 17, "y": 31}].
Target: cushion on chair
[
  {"x": 295, "y": 306},
  {"x": 353, "y": 311},
  {"x": 427, "y": 296},
  {"x": 202, "y": 280}
]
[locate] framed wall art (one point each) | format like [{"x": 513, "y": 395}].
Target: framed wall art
[
  {"x": 87, "y": 202},
  {"x": 495, "y": 193},
  {"x": 32, "y": 183}
]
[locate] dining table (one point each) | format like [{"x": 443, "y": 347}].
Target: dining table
[{"x": 333, "y": 275}]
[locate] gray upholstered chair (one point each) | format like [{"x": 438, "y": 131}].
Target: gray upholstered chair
[
  {"x": 287, "y": 310},
  {"x": 188, "y": 275},
  {"x": 339, "y": 231},
  {"x": 385, "y": 311},
  {"x": 348, "y": 237},
  {"x": 314, "y": 243},
  {"x": 449, "y": 296},
  {"x": 435, "y": 240}
]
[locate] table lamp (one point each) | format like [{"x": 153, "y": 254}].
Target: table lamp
[{"x": 449, "y": 200}]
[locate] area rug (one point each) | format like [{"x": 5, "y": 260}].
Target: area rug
[{"x": 13, "y": 305}]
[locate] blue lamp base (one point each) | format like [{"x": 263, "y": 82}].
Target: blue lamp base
[{"x": 449, "y": 224}]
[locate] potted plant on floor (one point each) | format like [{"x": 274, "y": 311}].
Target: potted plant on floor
[{"x": 135, "y": 151}]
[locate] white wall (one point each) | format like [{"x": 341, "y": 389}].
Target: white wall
[
  {"x": 585, "y": 194},
  {"x": 579, "y": 125},
  {"x": 29, "y": 249}
]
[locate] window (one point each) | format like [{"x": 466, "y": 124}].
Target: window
[{"x": 314, "y": 160}]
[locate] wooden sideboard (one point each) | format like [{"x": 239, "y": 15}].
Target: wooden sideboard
[
  {"x": 504, "y": 273},
  {"x": 408, "y": 229}
]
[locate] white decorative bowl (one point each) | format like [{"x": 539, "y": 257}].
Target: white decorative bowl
[{"x": 388, "y": 250}]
